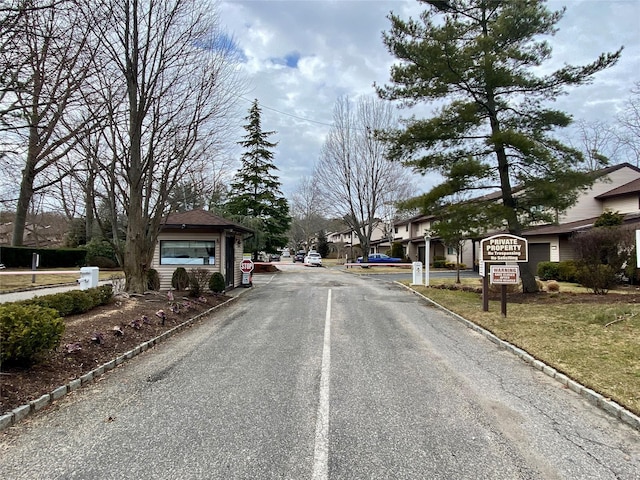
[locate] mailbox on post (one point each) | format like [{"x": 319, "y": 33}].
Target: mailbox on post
[{"x": 88, "y": 277}]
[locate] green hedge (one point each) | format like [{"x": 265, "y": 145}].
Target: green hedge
[
  {"x": 27, "y": 331},
  {"x": 565, "y": 271},
  {"x": 74, "y": 301},
  {"x": 21, "y": 257}
]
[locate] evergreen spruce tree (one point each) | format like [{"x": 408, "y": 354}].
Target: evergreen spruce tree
[
  {"x": 255, "y": 197},
  {"x": 323, "y": 244},
  {"x": 479, "y": 59}
]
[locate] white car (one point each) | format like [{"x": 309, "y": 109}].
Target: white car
[{"x": 313, "y": 259}]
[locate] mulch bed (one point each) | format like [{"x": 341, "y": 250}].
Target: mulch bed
[{"x": 115, "y": 329}]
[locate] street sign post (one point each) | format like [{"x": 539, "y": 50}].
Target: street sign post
[{"x": 246, "y": 267}]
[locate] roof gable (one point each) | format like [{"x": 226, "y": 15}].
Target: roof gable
[{"x": 631, "y": 187}]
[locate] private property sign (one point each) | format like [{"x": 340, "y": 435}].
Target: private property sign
[{"x": 504, "y": 248}]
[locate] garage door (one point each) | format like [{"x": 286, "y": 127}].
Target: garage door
[{"x": 538, "y": 252}]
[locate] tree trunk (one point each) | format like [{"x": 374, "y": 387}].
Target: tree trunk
[
  {"x": 24, "y": 199},
  {"x": 135, "y": 255},
  {"x": 89, "y": 195},
  {"x": 26, "y": 192}
]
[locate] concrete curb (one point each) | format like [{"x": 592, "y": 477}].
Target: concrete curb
[
  {"x": 13, "y": 417},
  {"x": 612, "y": 408}
]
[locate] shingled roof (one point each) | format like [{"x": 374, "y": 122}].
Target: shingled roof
[{"x": 201, "y": 219}]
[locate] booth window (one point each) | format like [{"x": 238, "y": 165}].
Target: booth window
[{"x": 187, "y": 252}]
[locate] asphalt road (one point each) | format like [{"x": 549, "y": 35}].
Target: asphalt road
[{"x": 318, "y": 374}]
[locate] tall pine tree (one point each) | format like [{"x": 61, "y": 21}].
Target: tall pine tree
[
  {"x": 255, "y": 197},
  {"x": 479, "y": 61}
]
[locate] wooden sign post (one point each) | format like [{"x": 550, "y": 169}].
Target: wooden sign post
[{"x": 501, "y": 248}]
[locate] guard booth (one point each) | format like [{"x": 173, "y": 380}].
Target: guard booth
[{"x": 199, "y": 239}]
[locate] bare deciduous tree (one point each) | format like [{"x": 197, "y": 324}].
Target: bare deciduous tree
[
  {"x": 629, "y": 121},
  {"x": 168, "y": 77},
  {"x": 598, "y": 142},
  {"x": 42, "y": 115},
  {"x": 307, "y": 220},
  {"x": 355, "y": 178}
]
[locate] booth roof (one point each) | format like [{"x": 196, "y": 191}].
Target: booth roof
[{"x": 201, "y": 218}]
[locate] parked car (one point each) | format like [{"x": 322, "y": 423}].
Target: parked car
[
  {"x": 274, "y": 257},
  {"x": 299, "y": 257},
  {"x": 313, "y": 259},
  {"x": 381, "y": 258}
]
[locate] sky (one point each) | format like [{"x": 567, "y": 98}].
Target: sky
[{"x": 300, "y": 56}]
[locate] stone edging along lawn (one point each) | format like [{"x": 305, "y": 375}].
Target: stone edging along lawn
[
  {"x": 19, "y": 413},
  {"x": 613, "y": 408}
]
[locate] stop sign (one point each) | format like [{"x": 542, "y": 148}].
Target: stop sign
[{"x": 246, "y": 266}]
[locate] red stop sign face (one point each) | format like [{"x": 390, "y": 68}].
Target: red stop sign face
[{"x": 246, "y": 266}]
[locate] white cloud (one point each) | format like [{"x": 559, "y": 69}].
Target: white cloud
[{"x": 303, "y": 55}]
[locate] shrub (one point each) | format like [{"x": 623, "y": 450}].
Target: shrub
[
  {"x": 217, "y": 283},
  {"x": 548, "y": 271},
  {"x": 598, "y": 278},
  {"x": 102, "y": 263},
  {"x": 452, "y": 265},
  {"x": 27, "y": 331},
  {"x": 553, "y": 286},
  {"x": 100, "y": 295},
  {"x": 67, "y": 303},
  {"x": 568, "y": 271},
  {"x": 439, "y": 262},
  {"x": 73, "y": 302},
  {"x": 153, "y": 279},
  {"x": 101, "y": 253},
  {"x": 601, "y": 254},
  {"x": 180, "y": 279},
  {"x": 198, "y": 281}
]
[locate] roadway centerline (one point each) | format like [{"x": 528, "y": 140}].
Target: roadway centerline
[{"x": 321, "y": 449}]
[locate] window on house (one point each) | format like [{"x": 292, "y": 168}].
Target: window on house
[
  {"x": 395, "y": 229},
  {"x": 451, "y": 251},
  {"x": 187, "y": 252}
]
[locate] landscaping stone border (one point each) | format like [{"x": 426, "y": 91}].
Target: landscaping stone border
[{"x": 13, "y": 417}]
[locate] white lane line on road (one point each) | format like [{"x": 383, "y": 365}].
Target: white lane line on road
[{"x": 321, "y": 450}]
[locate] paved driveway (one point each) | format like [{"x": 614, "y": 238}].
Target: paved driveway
[{"x": 317, "y": 374}]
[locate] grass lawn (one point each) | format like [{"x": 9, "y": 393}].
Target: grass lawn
[
  {"x": 595, "y": 343},
  {"x": 9, "y": 283}
]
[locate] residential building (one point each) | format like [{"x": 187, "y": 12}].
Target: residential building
[{"x": 616, "y": 188}]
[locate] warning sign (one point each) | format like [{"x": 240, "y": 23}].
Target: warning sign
[
  {"x": 505, "y": 274},
  {"x": 504, "y": 248}
]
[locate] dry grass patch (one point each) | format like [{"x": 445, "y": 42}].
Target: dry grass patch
[
  {"x": 589, "y": 339},
  {"x": 22, "y": 281}
]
